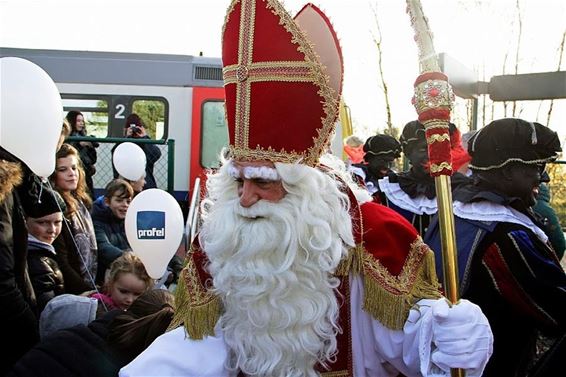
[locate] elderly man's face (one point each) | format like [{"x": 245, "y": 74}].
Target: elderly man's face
[{"x": 255, "y": 183}]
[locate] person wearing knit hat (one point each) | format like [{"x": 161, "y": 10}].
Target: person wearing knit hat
[
  {"x": 44, "y": 219},
  {"x": 412, "y": 193},
  {"x": 78, "y": 345},
  {"x": 380, "y": 152},
  {"x": 505, "y": 263},
  {"x": 291, "y": 275}
]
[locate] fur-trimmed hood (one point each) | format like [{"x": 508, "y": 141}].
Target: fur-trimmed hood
[{"x": 10, "y": 177}]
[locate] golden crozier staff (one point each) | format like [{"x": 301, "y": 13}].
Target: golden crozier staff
[{"x": 433, "y": 101}]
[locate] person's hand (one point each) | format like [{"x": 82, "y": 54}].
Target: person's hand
[
  {"x": 141, "y": 132},
  {"x": 461, "y": 334},
  {"x": 135, "y": 132}
]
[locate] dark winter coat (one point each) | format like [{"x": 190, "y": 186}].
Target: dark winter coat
[
  {"x": 110, "y": 235},
  {"x": 80, "y": 351},
  {"x": 18, "y": 322},
  {"x": 45, "y": 274}
]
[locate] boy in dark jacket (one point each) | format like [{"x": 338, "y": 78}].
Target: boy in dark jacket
[
  {"x": 108, "y": 214},
  {"x": 44, "y": 219}
]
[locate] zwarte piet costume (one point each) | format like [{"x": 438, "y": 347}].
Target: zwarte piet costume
[{"x": 505, "y": 263}]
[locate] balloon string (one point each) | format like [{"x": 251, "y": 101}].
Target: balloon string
[
  {"x": 90, "y": 277},
  {"x": 41, "y": 192}
]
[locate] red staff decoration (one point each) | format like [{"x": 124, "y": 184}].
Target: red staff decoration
[{"x": 433, "y": 101}]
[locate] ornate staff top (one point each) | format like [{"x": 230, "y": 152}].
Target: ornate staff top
[{"x": 433, "y": 95}]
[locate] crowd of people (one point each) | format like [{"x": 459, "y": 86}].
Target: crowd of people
[
  {"x": 304, "y": 265},
  {"x": 66, "y": 259}
]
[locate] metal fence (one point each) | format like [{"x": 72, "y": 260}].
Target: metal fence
[{"x": 163, "y": 170}]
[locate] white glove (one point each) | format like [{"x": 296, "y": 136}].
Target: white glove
[{"x": 462, "y": 336}]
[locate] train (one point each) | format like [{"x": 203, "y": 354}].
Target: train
[{"x": 179, "y": 97}]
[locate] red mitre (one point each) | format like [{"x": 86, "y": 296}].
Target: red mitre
[{"x": 282, "y": 79}]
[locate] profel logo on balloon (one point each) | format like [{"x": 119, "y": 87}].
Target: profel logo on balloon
[{"x": 151, "y": 225}]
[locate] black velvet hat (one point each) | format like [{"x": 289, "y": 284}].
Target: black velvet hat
[
  {"x": 512, "y": 140},
  {"x": 42, "y": 203},
  {"x": 413, "y": 133},
  {"x": 383, "y": 146}
]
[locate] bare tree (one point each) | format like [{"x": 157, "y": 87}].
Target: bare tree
[
  {"x": 377, "y": 40},
  {"x": 503, "y": 72},
  {"x": 560, "y": 54},
  {"x": 519, "y": 33}
]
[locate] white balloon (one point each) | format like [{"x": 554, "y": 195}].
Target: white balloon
[
  {"x": 129, "y": 161},
  {"x": 154, "y": 228},
  {"x": 31, "y": 114}
]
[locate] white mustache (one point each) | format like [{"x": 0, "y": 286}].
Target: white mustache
[{"x": 261, "y": 209}]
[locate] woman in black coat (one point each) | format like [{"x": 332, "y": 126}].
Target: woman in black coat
[{"x": 18, "y": 323}]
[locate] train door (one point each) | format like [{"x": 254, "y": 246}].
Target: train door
[{"x": 209, "y": 131}]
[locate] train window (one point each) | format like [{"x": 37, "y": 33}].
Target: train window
[
  {"x": 152, "y": 112},
  {"x": 214, "y": 133},
  {"x": 95, "y": 113}
]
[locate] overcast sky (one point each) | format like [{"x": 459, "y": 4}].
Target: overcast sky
[{"x": 477, "y": 33}]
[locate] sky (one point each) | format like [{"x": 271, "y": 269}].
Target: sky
[{"x": 477, "y": 33}]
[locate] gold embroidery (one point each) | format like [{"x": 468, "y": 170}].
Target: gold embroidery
[
  {"x": 434, "y": 168},
  {"x": 400, "y": 284},
  {"x": 437, "y": 138},
  {"x": 389, "y": 298},
  {"x": 227, "y": 17},
  {"x": 509, "y": 160},
  {"x": 339, "y": 373},
  {"x": 196, "y": 308},
  {"x": 352, "y": 263},
  {"x": 267, "y": 71},
  {"x": 242, "y": 73},
  {"x": 436, "y": 123}
]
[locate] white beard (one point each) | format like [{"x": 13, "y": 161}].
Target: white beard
[{"x": 274, "y": 274}]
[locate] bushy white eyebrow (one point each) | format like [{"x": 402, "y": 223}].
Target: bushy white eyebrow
[{"x": 255, "y": 172}]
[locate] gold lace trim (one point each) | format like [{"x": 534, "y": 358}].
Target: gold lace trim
[
  {"x": 389, "y": 298},
  {"x": 509, "y": 160},
  {"x": 197, "y": 309},
  {"x": 436, "y": 123},
  {"x": 287, "y": 71},
  {"x": 437, "y": 138},
  {"x": 434, "y": 168},
  {"x": 339, "y": 373}
]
